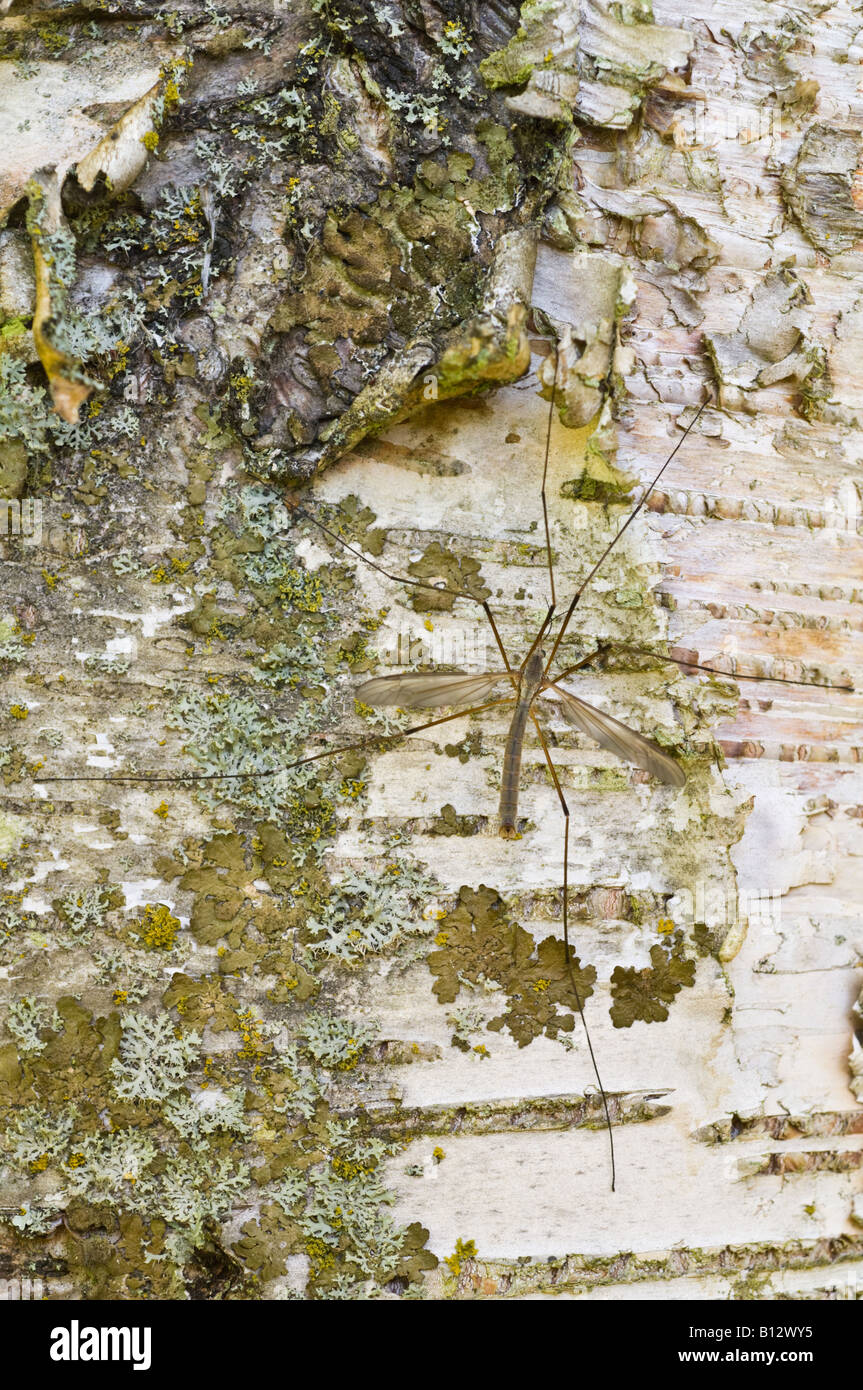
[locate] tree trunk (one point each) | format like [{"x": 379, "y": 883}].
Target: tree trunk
[{"x": 291, "y": 297}]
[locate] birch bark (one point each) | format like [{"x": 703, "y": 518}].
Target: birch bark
[{"x": 308, "y": 1034}]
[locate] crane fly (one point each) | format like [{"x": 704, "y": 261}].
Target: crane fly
[
  {"x": 431, "y": 690},
  {"x": 531, "y": 685},
  {"x": 437, "y": 689}
]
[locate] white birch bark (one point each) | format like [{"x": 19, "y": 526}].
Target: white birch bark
[{"x": 702, "y": 243}]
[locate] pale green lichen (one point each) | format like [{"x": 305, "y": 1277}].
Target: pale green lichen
[
  {"x": 12, "y": 832},
  {"x": 371, "y": 912},
  {"x": 83, "y": 912},
  {"x": 210, "y": 1111},
  {"x": 38, "y": 1134},
  {"x": 25, "y": 1018},
  {"x": 154, "y": 1057},
  {"x": 11, "y": 646},
  {"x": 24, "y": 414},
  {"x": 335, "y": 1042}
]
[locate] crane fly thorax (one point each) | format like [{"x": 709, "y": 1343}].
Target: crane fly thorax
[{"x": 532, "y": 676}]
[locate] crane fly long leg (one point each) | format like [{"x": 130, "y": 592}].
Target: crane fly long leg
[
  {"x": 499, "y": 640},
  {"x": 371, "y": 740},
  {"x": 608, "y": 549},
  {"x": 619, "y": 739},
  {"x": 567, "y": 949},
  {"x": 604, "y": 648},
  {"x": 585, "y": 661}
]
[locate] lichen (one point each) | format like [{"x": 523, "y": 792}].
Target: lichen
[
  {"x": 644, "y": 995},
  {"x": 371, "y": 912},
  {"x": 160, "y": 1134},
  {"x": 480, "y": 948},
  {"x": 153, "y": 1058}
]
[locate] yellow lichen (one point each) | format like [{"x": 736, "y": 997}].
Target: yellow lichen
[{"x": 160, "y": 927}]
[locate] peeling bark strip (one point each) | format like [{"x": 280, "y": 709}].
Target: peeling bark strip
[
  {"x": 544, "y": 1113},
  {"x": 249, "y": 248},
  {"x": 738, "y": 1263},
  {"x": 794, "y": 1164},
  {"x": 781, "y": 1127}
]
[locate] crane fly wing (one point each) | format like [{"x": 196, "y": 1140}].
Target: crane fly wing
[
  {"x": 428, "y": 689},
  {"x": 619, "y": 739}
]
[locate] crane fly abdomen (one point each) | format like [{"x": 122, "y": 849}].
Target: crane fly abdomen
[
  {"x": 512, "y": 771},
  {"x": 531, "y": 682}
]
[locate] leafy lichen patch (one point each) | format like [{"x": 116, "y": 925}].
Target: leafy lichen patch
[{"x": 477, "y": 944}]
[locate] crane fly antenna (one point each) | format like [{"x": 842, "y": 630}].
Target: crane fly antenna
[
  {"x": 732, "y": 675},
  {"x": 399, "y": 578},
  {"x": 628, "y": 522}
]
